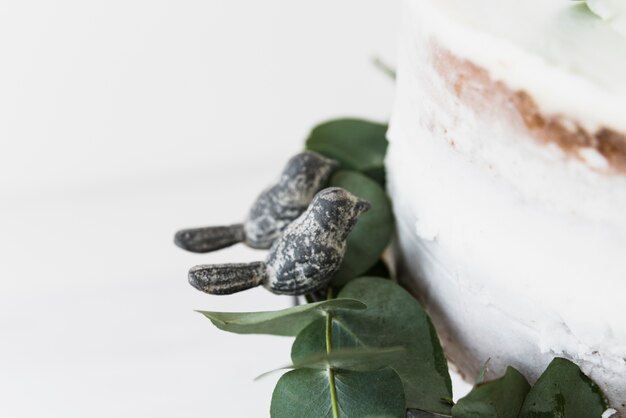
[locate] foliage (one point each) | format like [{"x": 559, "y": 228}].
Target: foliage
[
  {"x": 393, "y": 318},
  {"x": 357, "y": 144},
  {"x": 501, "y": 398},
  {"x": 563, "y": 391},
  {"x": 373, "y": 351},
  {"x": 372, "y": 232},
  {"x": 288, "y": 322}
]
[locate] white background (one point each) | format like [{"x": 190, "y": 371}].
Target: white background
[{"x": 122, "y": 121}]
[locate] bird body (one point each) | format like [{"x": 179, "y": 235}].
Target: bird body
[
  {"x": 275, "y": 208},
  {"x": 302, "y": 260}
]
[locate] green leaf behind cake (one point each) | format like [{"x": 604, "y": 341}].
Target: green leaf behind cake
[
  {"x": 357, "y": 144},
  {"x": 564, "y": 391},
  {"x": 501, "y": 398},
  {"x": 372, "y": 232}
]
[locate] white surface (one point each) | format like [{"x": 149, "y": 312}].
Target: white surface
[
  {"x": 518, "y": 247},
  {"x": 108, "y": 89},
  {"x": 97, "y": 317},
  {"x": 121, "y": 121}
]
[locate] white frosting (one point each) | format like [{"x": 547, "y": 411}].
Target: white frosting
[{"x": 520, "y": 250}]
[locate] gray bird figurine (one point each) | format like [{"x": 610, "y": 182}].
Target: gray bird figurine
[
  {"x": 305, "y": 174},
  {"x": 302, "y": 260}
]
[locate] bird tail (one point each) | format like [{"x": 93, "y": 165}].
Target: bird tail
[
  {"x": 211, "y": 238},
  {"x": 224, "y": 279}
]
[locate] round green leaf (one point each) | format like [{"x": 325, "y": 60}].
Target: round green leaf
[
  {"x": 372, "y": 232},
  {"x": 357, "y": 144},
  {"x": 395, "y": 318},
  {"x": 379, "y": 269},
  {"x": 305, "y": 393},
  {"x": 564, "y": 391},
  {"x": 500, "y": 398},
  {"x": 311, "y": 340},
  {"x": 348, "y": 353},
  {"x": 392, "y": 318}
]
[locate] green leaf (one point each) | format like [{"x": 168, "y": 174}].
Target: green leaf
[
  {"x": 378, "y": 175},
  {"x": 288, "y": 322},
  {"x": 305, "y": 393},
  {"x": 392, "y": 318},
  {"x": 501, "y": 398},
  {"x": 353, "y": 359},
  {"x": 564, "y": 391},
  {"x": 356, "y": 360},
  {"x": 358, "y": 145},
  {"x": 417, "y": 413},
  {"x": 372, "y": 232},
  {"x": 311, "y": 341},
  {"x": 384, "y": 68},
  {"x": 480, "y": 379},
  {"x": 379, "y": 269}
]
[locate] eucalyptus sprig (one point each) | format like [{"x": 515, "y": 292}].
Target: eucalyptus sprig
[{"x": 372, "y": 350}]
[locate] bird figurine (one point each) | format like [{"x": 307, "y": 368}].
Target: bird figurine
[
  {"x": 305, "y": 174},
  {"x": 305, "y": 257}
]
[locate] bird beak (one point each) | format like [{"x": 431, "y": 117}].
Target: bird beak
[{"x": 362, "y": 206}]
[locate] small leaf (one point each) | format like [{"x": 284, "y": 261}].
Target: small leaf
[
  {"x": 480, "y": 379},
  {"x": 418, "y": 413},
  {"x": 372, "y": 232},
  {"x": 305, "y": 393},
  {"x": 384, "y": 68},
  {"x": 392, "y": 318},
  {"x": 564, "y": 391},
  {"x": 288, "y": 322},
  {"x": 353, "y": 359},
  {"x": 356, "y": 360},
  {"x": 358, "y": 145},
  {"x": 500, "y": 398},
  {"x": 311, "y": 341}
]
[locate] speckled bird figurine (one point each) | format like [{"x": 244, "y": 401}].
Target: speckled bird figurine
[
  {"x": 302, "y": 260},
  {"x": 305, "y": 174}
]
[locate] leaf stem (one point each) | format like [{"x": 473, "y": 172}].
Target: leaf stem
[
  {"x": 331, "y": 371},
  {"x": 329, "y": 331},
  {"x": 386, "y": 69}
]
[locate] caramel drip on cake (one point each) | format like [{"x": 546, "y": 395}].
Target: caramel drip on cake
[{"x": 474, "y": 87}]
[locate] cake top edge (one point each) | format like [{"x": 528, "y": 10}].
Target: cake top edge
[
  {"x": 557, "y": 51},
  {"x": 588, "y": 40}
]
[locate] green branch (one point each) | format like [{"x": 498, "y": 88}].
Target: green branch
[
  {"x": 331, "y": 371},
  {"x": 384, "y": 67}
]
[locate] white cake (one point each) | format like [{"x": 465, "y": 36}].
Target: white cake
[{"x": 507, "y": 168}]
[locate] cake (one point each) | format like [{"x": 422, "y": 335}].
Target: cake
[{"x": 507, "y": 169}]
